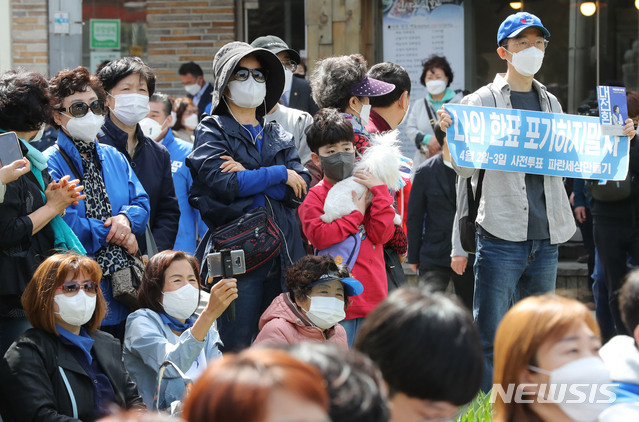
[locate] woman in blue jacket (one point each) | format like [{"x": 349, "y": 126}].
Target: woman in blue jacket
[
  {"x": 239, "y": 162},
  {"x": 116, "y": 207}
]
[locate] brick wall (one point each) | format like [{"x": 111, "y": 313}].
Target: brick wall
[
  {"x": 29, "y": 35},
  {"x": 179, "y": 31}
]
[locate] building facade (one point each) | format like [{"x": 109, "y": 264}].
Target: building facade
[{"x": 585, "y": 49}]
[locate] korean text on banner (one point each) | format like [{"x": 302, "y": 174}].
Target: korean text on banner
[{"x": 535, "y": 142}]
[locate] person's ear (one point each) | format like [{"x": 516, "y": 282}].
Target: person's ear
[
  {"x": 501, "y": 52},
  {"x": 316, "y": 160},
  {"x": 636, "y": 335},
  {"x": 355, "y": 103},
  {"x": 57, "y": 118},
  {"x": 525, "y": 377},
  {"x": 169, "y": 120},
  {"x": 404, "y": 101}
]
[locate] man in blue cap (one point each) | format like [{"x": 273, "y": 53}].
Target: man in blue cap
[{"x": 521, "y": 217}]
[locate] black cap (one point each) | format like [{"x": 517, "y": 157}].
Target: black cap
[{"x": 276, "y": 45}]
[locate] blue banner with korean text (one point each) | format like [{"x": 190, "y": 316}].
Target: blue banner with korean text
[{"x": 535, "y": 142}]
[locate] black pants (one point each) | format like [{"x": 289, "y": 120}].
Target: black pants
[
  {"x": 614, "y": 245},
  {"x": 437, "y": 278}
]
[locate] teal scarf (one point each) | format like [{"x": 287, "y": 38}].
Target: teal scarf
[{"x": 65, "y": 239}]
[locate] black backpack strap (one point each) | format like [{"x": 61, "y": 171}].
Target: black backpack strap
[{"x": 66, "y": 157}]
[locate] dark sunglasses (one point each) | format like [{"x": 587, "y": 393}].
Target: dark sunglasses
[
  {"x": 70, "y": 288},
  {"x": 242, "y": 74},
  {"x": 81, "y": 109}
]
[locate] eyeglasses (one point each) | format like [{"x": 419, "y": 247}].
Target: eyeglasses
[
  {"x": 524, "y": 44},
  {"x": 242, "y": 74},
  {"x": 81, "y": 109},
  {"x": 290, "y": 65},
  {"x": 71, "y": 288}
]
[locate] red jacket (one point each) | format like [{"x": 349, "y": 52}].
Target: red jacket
[
  {"x": 369, "y": 268},
  {"x": 282, "y": 324}
]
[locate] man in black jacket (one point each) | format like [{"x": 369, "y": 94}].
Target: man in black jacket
[
  {"x": 198, "y": 89},
  {"x": 297, "y": 91},
  {"x": 431, "y": 214}
]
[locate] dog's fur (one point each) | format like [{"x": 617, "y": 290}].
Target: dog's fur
[{"x": 382, "y": 159}]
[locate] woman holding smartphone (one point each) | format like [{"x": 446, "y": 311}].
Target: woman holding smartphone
[
  {"x": 166, "y": 327},
  {"x": 29, "y": 212}
]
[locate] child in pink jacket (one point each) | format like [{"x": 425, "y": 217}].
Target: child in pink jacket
[{"x": 317, "y": 298}]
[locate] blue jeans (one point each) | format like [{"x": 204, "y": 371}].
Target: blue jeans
[
  {"x": 256, "y": 291},
  {"x": 10, "y": 329},
  {"x": 602, "y": 307},
  {"x": 506, "y": 272},
  {"x": 352, "y": 327}
]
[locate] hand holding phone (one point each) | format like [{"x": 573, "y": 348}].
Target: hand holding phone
[
  {"x": 14, "y": 170},
  {"x": 222, "y": 294},
  {"x": 226, "y": 264}
]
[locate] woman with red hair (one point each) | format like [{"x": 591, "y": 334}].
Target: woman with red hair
[
  {"x": 547, "y": 366},
  {"x": 258, "y": 385}
]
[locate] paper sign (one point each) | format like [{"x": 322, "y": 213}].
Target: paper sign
[{"x": 613, "y": 109}]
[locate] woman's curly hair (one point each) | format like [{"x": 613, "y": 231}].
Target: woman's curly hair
[
  {"x": 309, "y": 269},
  {"x": 24, "y": 101},
  {"x": 334, "y": 77}
]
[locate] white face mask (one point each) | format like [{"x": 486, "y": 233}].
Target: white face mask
[
  {"x": 151, "y": 128},
  {"x": 38, "y": 135},
  {"x": 248, "y": 93},
  {"x": 131, "y": 108},
  {"x": 75, "y": 310},
  {"x": 586, "y": 373},
  {"x": 288, "y": 80},
  {"x": 436, "y": 87},
  {"x": 325, "y": 312},
  {"x": 364, "y": 113},
  {"x": 173, "y": 118},
  {"x": 181, "y": 303},
  {"x": 528, "y": 62},
  {"x": 192, "y": 89},
  {"x": 191, "y": 122},
  {"x": 85, "y": 128}
]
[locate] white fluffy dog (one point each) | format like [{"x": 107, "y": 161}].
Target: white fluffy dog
[{"x": 382, "y": 160}]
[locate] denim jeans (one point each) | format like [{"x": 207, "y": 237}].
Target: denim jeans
[
  {"x": 506, "y": 272},
  {"x": 614, "y": 245},
  {"x": 602, "y": 307},
  {"x": 352, "y": 327},
  {"x": 256, "y": 291}
]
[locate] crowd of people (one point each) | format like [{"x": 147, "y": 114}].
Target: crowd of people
[{"x": 120, "y": 294}]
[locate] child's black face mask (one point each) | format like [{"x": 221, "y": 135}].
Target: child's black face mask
[{"x": 338, "y": 166}]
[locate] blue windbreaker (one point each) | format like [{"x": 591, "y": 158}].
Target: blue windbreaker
[{"x": 126, "y": 194}]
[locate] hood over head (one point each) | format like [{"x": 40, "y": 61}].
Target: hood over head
[{"x": 225, "y": 62}]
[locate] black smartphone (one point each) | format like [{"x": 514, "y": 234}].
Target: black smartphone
[{"x": 9, "y": 148}]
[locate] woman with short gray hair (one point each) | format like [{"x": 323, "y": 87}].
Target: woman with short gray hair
[{"x": 341, "y": 82}]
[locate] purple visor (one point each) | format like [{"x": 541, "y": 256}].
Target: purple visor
[{"x": 370, "y": 87}]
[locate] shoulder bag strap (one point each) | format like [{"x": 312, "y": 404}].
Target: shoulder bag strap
[
  {"x": 473, "y": 200},
  {"x": 66, "y": 157},
  {"x": 431, "y": 118}
]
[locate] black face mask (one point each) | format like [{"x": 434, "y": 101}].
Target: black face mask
[{"x": 338, "y": 166}]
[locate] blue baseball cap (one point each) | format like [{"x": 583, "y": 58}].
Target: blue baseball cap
[
  {"x": 514, "y": 24},
  {"x": 352, "y": 287}
]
